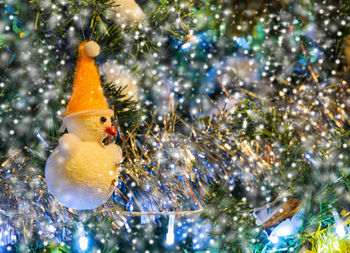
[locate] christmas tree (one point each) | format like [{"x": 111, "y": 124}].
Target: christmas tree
[{"x": 227, "y": 126}]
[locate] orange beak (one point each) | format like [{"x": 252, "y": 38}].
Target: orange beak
[{"x": 110, "y": 130}]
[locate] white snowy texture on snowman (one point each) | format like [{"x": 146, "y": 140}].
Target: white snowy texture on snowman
[{"x": 80, "y": 172}]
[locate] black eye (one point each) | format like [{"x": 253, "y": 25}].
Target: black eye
[{"x": 103, "y": 119}]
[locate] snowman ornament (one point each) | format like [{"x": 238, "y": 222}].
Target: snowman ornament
[{"x": 80, "y": 172}]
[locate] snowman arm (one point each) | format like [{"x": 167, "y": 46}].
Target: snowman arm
[
  {"x": 116, "y": 151},
  {"x": 68, "y": 145}
]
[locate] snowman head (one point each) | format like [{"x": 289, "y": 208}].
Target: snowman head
[
  {"x": 87, "y": 115},
  {"x": 91, "y": 126}
]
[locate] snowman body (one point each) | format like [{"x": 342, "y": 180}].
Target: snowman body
[{"x": 80, "y": 171}]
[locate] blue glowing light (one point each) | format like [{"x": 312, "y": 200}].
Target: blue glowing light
[
  {"x": 83, "y": 243},
  {"x": 42, "y": 140},
  {"x": 242, "y": 43},
  {"x": 273, "y": 239},
  {"x": 51, "y": 228},
  {"x": 170, "y": 235},
  {"x": 186, "y": 46},
  {"x": 309, "y": 158}
]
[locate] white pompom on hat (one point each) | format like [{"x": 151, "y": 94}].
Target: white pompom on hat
[{"x": 92, "y": 49}]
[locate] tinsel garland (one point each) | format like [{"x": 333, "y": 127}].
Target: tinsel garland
[
  {"x": 329, "y": 239},
  {"x": 164, "y": 172}
]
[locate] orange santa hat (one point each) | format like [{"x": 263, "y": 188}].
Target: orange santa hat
[{"x": 87, "y": 96}]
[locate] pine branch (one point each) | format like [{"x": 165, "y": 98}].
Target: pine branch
[{"x": 127, "y": 110}]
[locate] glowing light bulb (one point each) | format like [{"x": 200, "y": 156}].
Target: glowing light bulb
[
  {"x": 170, "y": 238},
  {"x": 340, "y": 230},
  {"x": 170, "y": 234},
  {"x": 273, "y": 239},
  {"x": 83, "y": 243},
  {"x": 51, "y": 228},
  {"x": 186, "y": 46}
]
